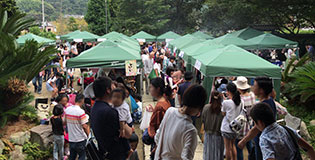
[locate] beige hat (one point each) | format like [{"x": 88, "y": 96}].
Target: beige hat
[{"x": 241, "y": 83}]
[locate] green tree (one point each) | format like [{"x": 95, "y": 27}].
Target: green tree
[
  {"x": 72, "y": 24},
  {"x": 9, "y": 6},
  {"x": 33, "y": 8},
  {"x": 36, "y": 30},
  {"x": 96, "y": 16}
]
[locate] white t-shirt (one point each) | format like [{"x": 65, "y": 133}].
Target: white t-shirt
[
  {"x": 124, "y": 113},
  {"x": 75, "y": 118},
  {"x": 157, "y": 66},
  {"x": 177, "y": 137},
  {"x": 52, "y": 79},
  {"x": 231, "y": 112}
]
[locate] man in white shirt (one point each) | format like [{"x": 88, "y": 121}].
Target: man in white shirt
[
  {"x": 147, "y": 67},
  {"x": 78, "y": 129}
]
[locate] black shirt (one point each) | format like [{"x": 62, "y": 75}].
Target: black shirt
[
  {"x": 272, "y": 104},
  {"x": 182, "y": 88},
  {"x": 57, "y": 126},
  {"x": 105, "y": 126}
]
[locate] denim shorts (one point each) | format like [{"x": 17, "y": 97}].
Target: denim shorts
[
  {"x": 49, "y": 87},
  {"x": 229, "y": 135}
]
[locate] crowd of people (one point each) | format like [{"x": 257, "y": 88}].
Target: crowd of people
[{"x": 240, "y": 113}]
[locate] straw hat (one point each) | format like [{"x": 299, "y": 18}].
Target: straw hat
[{"x": 241, "y": 83}]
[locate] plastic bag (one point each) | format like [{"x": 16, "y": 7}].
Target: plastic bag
[{"x": 145, "y": 120}]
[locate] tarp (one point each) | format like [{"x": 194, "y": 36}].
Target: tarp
[
  {"x": 199, "y": 48},
  {"x": 64, "y": 37},
  {"x": 106, "y": 54},
  {"x": 22, "y": 39},
  {"x": 143, "y": 36},
  {"x": 114, "y": 34},
  {"x": 185, "y": 41},
  {"x": 202, "y": 35},
  {"x": 228, "y": 39},
  {"x": 247, "y": 33},
  {"x": 235, "y": 61},
  {"x": 168, "y": 36},
  {"x": 83, "y": 37},
  {"x": 270, "y": 41}
]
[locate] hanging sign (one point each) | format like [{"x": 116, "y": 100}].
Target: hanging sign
[
  {"x": 101, "y": 39},
  {"x": 181, "y": 54},
  {"x": 141, "y": 40},
  {"x": 131, "y": 67},
  {"x": 78, "y": 40},
  {"x": 198, "y": 65}
]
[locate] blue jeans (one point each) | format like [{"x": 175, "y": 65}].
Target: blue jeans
[
  {"x": 257, "y": 148},
  {"x": 58, "y": 147},
  {"x": 240, "y": 151},
  {"x": 39, "y": 79},
  {"x": 77, "y": 148}
]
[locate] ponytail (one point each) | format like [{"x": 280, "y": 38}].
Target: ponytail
[
  {"x": 231, "y": 87},
  {"x": 237, "y": 98},
  {"x": 168, "y": 92}
]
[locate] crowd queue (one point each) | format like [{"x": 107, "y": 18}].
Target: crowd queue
[{"x": 238, "y": 115}]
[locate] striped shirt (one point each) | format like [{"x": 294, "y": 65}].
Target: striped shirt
[{"x": 75, "y": 118}]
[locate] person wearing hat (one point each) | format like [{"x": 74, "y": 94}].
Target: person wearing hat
[
  {"x": 249, "y": 100},
  {"x": 188, "y": 76}
]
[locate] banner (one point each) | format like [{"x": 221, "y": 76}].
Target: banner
[{"x": 131, "y": 67}]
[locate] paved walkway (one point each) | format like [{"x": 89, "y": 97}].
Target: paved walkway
[{"x": 147, "y": 99}]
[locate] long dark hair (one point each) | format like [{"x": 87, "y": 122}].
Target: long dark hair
[
  {"x": 215, "y": 102},
  {"x": 164, "y": 90},
  {"x": 231, "y": 87}
]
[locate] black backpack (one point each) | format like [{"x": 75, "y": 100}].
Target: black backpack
[{"x": 297, "y": 155}]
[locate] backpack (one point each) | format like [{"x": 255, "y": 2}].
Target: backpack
[{"x": 297, "y": 155}]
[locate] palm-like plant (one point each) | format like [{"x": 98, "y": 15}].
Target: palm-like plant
[
  {"x": 302, "y": 85},
  {"x": 291, "y": 65},
  {"x": 18, "y": 63}
]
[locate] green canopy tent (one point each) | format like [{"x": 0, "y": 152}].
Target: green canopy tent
[
  {"x": 83, "y": 37},
  {"x": 114, "y": 34},
  {"x": 22, "y": 39},
  {"x": 180, "y": 43},
  {"x": 143, "y": 36},
  {"x": 234, "y": 61},
  {"x": 108, "y": 54},
  {"x": 228, "y": 39},
  {"x": 168, "y": 36},
  {"x": 270, "y": 41},
  {"x": 202, "y": 35},
  {"x": 64, "y": 37},
  {"x": 197, "y": 49},
  {"x": 247, "y": 33}
]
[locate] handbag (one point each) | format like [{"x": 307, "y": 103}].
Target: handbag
[
  {"x": 152, "y": 74},
  {"x": 146, "y": 139},
  {"x": 92, "y": 152},
  {"x": 238, "y": 123}
]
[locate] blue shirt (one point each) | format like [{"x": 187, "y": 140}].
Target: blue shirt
[
  {"x": 150, "y": 49},
  {"x": 105, "y": 126},
  {"x": 275, "y": 142}
]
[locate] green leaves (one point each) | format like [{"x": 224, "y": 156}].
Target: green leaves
[{"x": 302, "y": 84}]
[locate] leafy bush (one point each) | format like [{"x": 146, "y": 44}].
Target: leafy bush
[
  {"x": 34, "y": 153},
  {"x": 3, "y": 157},
  {"x": 15, "y": 111},
  {"x": 29, "y": 113},
  {"x": 302, "y": 86}
]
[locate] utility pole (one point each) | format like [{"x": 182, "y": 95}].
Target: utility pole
[
  {"x": 43, "y": 15},
  {"x": 106, "y": 15}
]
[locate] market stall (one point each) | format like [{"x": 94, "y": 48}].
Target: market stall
[
  {"x": 270, "y": 41},
  {"x": 29, "y": 36},
  {"x": 82, "y": 37},
  {"x": 202, "y": 35},
  {"x": 247, "y": 33},
  {"x": 168, "y": 36},
  {"x": 143, "y": 36},
  {"x": 228, "y": 39}
]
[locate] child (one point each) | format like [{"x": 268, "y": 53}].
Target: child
[
  {"x": 277, "y": 142},
  {"x": 57, "y": 128},
  {"x": 118, "y": 101},
  {"x": 137, "y": 114},
  {"x": 133, "y": 141}
]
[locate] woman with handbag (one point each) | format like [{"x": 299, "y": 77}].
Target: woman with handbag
[
  {"x": 177, "y": 136},
  {"x": 231, "y": 109}
]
